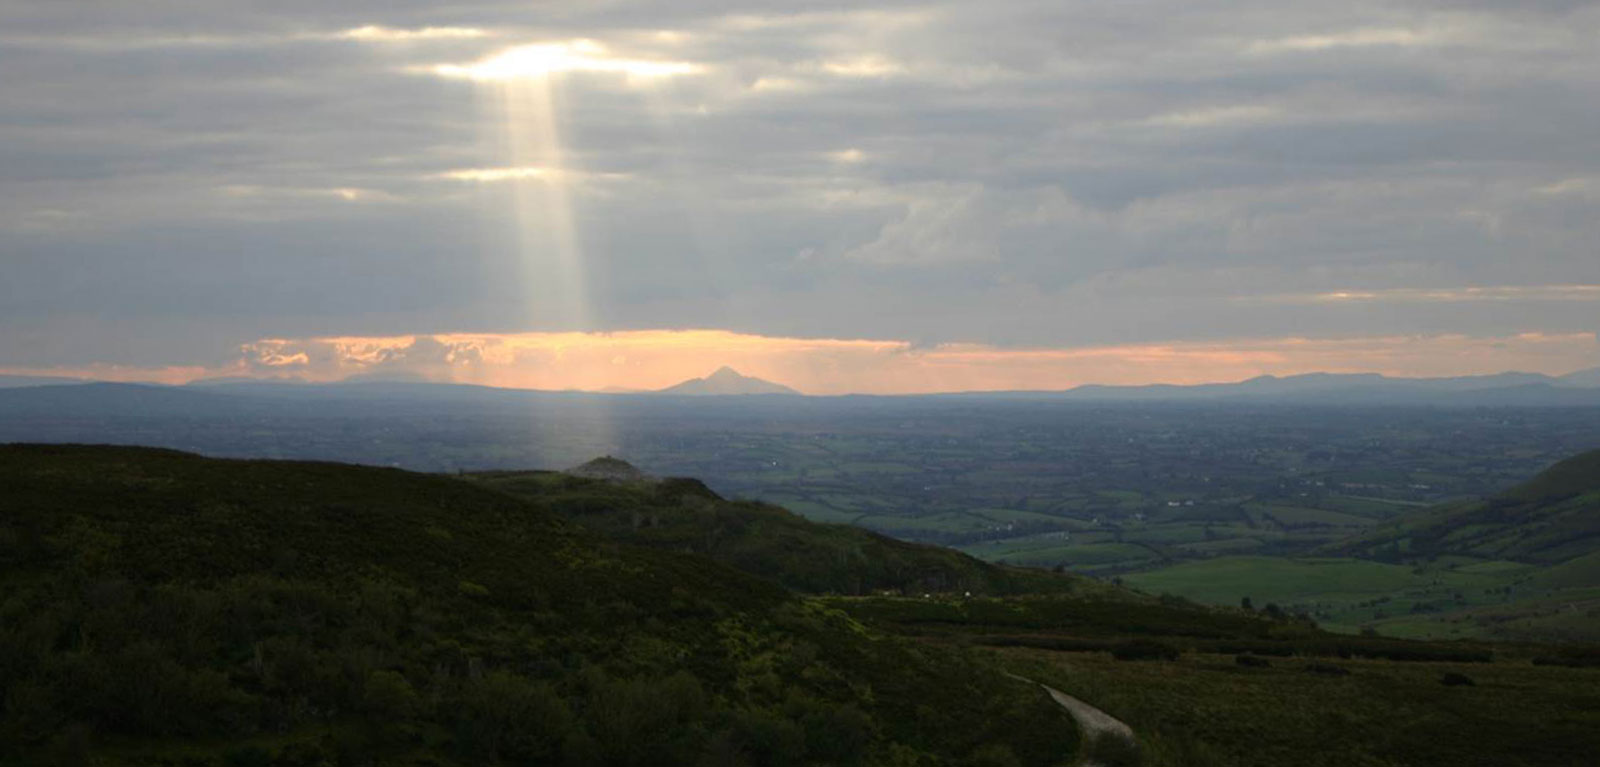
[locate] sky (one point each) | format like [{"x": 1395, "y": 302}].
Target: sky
[{"x": 889, "y": 197}]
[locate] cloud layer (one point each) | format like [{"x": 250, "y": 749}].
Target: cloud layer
[{"x": 181, "y": 179}]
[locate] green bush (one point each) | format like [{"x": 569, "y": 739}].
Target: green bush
[
  {"x": 504, "y": 717},
  {"x": 1109, "y": 750},
  {"x": 1144, "y": 649}
]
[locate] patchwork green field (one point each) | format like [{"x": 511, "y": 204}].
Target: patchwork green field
[
  {"x": 1347, "y": 594},
  {"x": 1191, "y": 479},
  {"x": 1453, "y": 598},
  {"x": 1522, "y": 564}
]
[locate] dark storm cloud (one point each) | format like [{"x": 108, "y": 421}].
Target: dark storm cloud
[{"x": 180, "y": 178}]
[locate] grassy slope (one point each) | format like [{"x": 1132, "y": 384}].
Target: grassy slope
[
  {"x": 1521, "y": 565},
  {"x": 758, "y": 538},
  {"x": 1275, "y": 579},
  {"x": 161, "y": 608},
  {"x": 1547, "y": 520}
]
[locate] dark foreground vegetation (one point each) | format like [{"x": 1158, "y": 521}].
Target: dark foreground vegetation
[
  {"x": 158, "y": 608},
  {"x": 1208, "y": 710},
  {"x": 1221, "y": 687}
]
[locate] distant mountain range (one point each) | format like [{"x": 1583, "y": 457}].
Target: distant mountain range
[
  {"x": 1579, "y": 388},
  {"x": 1500, "y": 389},
  {"x": 724, "y": 381},
  {"x": 18, "y": 382}
]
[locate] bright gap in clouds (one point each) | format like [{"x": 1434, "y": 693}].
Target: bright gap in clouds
[
  {"x": 382, "y": 34},
  {"x": 497, "y": 174},
  {"x": 544, "y": 59}
]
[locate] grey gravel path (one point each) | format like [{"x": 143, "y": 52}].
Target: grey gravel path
[{"x": 1093, "y": 722}]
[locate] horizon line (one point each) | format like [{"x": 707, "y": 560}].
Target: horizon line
[{"x": 66, "y": 380}]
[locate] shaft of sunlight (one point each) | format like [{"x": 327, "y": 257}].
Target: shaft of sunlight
[
  {"x": 522, "y": 85},
  {"x": 549, "y": 258},
  {"x": 546, "y": 228}
]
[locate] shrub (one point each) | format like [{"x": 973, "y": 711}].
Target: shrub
[
  {"x": 1173, "y": 600},
  {"x": 993, "y": 755},
  {"x": 1113, "y": 751},
  {"x": 1576, "y": 656},
  {"x": 1452, "y": 679},
  {"x": 247, "y": 756},
  {"x": 388, "y": 696},
  {"x": 506, "y": 716},
  {"x": 1144, "y": 649}
]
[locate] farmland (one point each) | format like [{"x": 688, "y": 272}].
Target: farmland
[
  {"x": 1104, "y": 488},
  {"x": 1202, "y": 500}
]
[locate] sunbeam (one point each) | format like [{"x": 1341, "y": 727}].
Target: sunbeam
[{"x": 520, "y": 93}]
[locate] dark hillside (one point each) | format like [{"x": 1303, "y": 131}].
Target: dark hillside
[
  {"x": 759, "y": 538},
  {"x": 162, "y": 608},
  {"x": 93, "y": 400},
  {"x": 1578, "y": 475},
  {"x": 1552, "y": 518}
]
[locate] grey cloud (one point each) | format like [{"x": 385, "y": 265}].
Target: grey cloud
[{"x": 1025, "y": 172}]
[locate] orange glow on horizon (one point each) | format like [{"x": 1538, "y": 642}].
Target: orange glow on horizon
[{"x": 653, "y": 359}]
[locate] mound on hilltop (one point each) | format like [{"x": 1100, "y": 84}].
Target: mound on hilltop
[{"x": 610, "y": 469}]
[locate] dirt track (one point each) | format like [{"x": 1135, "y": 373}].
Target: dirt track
[{"x": 1092, "y": 722}]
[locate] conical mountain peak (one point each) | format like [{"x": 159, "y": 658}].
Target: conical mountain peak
[{"x": 726, "y": 380}]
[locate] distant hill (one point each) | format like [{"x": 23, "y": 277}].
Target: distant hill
[
  {"x": 726, "y": 380},
  {"x": 1548, "y": 520},
  {"x": 1584, "y": 378},
  {"x": 105, "y": 399},
  {"x": 163, "y": 608},
  {"x": 1507, "y": 389},
  {"x": 1581, "y": 388},
  {"x": 201, "y": 383},
  {"x": 614, "y": 499},
  {"x": 17, "y": 382}
]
